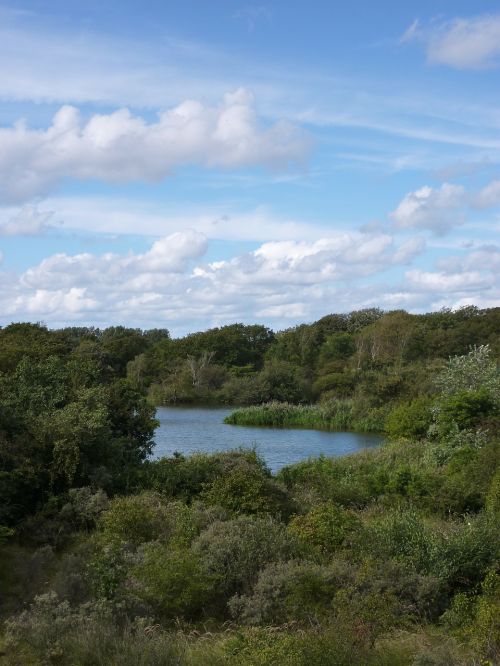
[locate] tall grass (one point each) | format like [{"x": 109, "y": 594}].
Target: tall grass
[{"x": 332, "y": 415}]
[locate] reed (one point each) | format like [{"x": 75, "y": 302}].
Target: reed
[{"x": 333, "y": 415}]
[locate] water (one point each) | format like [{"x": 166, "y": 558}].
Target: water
[{"x": 190, "y": 429}]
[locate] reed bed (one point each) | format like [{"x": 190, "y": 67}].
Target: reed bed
[{"x": 333, "y": 415}]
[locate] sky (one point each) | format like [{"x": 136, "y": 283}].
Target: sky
[{"x": 189, "y": 165}]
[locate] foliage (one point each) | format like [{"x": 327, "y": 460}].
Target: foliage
[
  {"x": 235, "y": 550},
  {"x": 185, "y": 478},
  {"x": 287, "y": 591},
  {"x": 325, "y": 527},
  {"x": 135, "y": 519},
  {"x": 411, "y": 420},
  {"x": 247, "y": 489},
  {"x": 471, "y": 372},
  {"x": 172, "y": 581},
  {"x": 388, "y": 557}
]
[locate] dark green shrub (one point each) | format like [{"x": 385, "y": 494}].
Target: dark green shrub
[
  {"x": 184, "y": 477},
  {"x": 464, "y": 410}
]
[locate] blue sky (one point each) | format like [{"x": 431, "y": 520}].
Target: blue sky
[{"x": 194, "y": 164}]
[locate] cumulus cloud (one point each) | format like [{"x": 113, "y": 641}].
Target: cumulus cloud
[
  {"x": 29, "y": 221},
  {"x": 308, "y": 263},
  {"x": 122, "y": 147},
  {"x": 462, "y": 43},
  {"x": 436, "y": 209},
  {"x": 279, "y": 281},
  {"x": 166, "y": 257}
]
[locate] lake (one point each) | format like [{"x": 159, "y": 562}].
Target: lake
[{"x": 190, "y": 429}]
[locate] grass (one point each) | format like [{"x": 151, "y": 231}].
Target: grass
[{"x": 333, "y": 415}]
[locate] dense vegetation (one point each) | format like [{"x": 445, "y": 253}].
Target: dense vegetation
[
  {"x": 356, "y": 366},
  {"x": 389, "y": 557}
]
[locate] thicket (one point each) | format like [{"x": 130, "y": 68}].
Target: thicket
[
  {"x": 387, "y": 557},
  {"x": 363, "y": 360}
]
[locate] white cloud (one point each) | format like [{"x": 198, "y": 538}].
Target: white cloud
[
  {"x": 489, "y": 196},
  {"x": 72, "y": 302},
  {"x": 437, "y": 209},
  {"x": 448, "y": 282},
  {"x": 483, "y": 258},
  {"x": 462, "y": 43},
  {"x": 122, "y": 147},
  {"x": 168, "y": 256},
  {"x": 277, "y": 282},
  {"x": 342, "y": 257},
  {"x": 29, "y": 221}
]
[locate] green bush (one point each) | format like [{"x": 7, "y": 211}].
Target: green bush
[
  {"x": 411, "y": 420},
  {"x": 400, "y": 534},
  {"x": 136, "y": 519},
  {"x": 184, "y": 477},
  {"x": 173, "y": 582},
  {"x": 324, "y": 528},
  {"x": 235, "y": 550},
  {"x": 288, "y": 591},
  {"x": 464, "y": 410},
  {"x": 246, "y": 489},
  {"x": 53, "y": 632}
]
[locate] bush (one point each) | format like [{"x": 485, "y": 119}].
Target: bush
[
  {"x": 53, "y": 632},
  {"x": 136, "y": 519},
  {"x": 400, "y": 534},
  {"x": 287, "y": 591},
  {"x": 246, "y": 489},
  {"x": 325, "y": 528},
  {"x": 84, "y": 507},
  {"x": 235, "y": 550},
  {"x": 411, "y": 420},
  {"x": 464, "y": 410},
  {"x": 464, "y": 556},
  {"x": 184, "y": 477},
  {"x": 172, "y": 581}
]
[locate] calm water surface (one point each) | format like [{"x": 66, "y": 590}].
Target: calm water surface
[{"x": 190, "y": 429}]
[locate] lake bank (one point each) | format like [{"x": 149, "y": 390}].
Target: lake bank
[{"x": 191, "y": 429}]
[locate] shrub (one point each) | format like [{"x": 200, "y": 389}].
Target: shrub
[
  {"x": 464, "y": 410},
  {"x": 237, "y": 549},
  {"x": 84, "y": 506},
  {"x": 324, "y": 528},
  {"x": 287, "y": 591},
  {"x": 336, "y": 645},
  {"x": 246, "y": 489},
  {"x": 136, "y": 519},
  {"x": 463, "y": 557},
  {"x": 400, "y": 534},
  {"x": 52, "y": 632},
  {"x": 172, "y": 581},
  {"x": 185, "y": 477},
  {"x": 411, "y": 420},
  {"x": 474, "y": 371}
]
